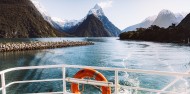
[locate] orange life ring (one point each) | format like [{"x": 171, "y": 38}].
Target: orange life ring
[{"x": 91, "y": 73}]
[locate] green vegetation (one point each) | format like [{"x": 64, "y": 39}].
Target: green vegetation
[{"x": 20, "y": 19}]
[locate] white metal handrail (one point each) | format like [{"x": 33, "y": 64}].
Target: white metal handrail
[
  {"x": 64, "y": 79},
  {"x": 90, "y": 82}
]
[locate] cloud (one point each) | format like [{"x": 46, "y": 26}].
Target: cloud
[{"x": 106, "y": 4}]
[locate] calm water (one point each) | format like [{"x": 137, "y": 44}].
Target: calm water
[{"x": 107, "y": 52}]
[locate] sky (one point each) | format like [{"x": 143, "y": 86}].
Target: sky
[{"x": 122, "y": 13}]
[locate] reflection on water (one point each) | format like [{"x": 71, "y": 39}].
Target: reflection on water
[
  {"x": 16, "y": 59},
  {"x": 107, "y": 52}
]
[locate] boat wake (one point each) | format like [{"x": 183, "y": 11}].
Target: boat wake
[
  {"x": 128, "y": 80},
  {"x": 179, "y": 84}
]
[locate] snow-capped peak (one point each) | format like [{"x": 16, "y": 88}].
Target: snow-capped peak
[
  {"x": 40, "y": 8},
  {"x": 65, "y": 23},
  {"x": 56, "y": 19},
  {"x": 164, "y": 12},
  {"x": 97, "y": 10},
  {"x": 97, "y": 7}
]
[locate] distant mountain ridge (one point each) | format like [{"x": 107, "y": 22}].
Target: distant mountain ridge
[
  {"x": 145, "y": 24},
  {"x": 66, "y": 25},
  {"x": 165, "y": 18},
  {"x": 173, "y": 34}
]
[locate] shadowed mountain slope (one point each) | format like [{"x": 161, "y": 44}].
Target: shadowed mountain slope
[{"x": 21, "y": 19}]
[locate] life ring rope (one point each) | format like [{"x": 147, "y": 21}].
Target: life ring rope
[{"x": 95, "y": 74}]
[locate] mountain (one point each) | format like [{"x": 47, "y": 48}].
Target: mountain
[
  {"x": 179, "y": 17},
  {"x": 91, "y": 27},
  {"x": 21, "y": 19},
  {"x": 74, "y": 25},
  {"x": 144, "y": 24},
  {"x": 164, "y": 19},
  {"x": 46, "y": 16},
  {"x": 109, "y": 26},
  {"x": 67, "y": 26},
  {"x": 185, "y": 24},
  {"x": 173, "y": 34},
  {"x": 96, "y": 24},
  {"x": 59, "y": 24}
]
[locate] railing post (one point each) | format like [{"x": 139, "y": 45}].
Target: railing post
[
  {"x": 3, "y": 83},
  {"x": 116, "y": 82},
  {"x": 64, "y": 81}
]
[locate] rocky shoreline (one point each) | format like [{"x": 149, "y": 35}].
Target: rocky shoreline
[{"x": 37, "y": 45}]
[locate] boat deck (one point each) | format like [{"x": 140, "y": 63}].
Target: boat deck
[{"x": 65, "y": 79}]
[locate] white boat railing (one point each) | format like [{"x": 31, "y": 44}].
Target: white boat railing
[{"x": 93, "y": 82}]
